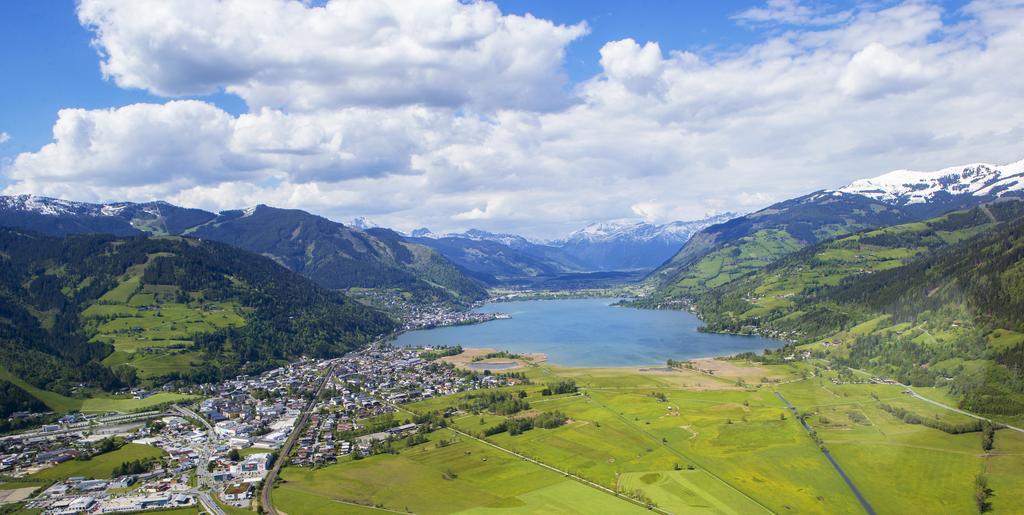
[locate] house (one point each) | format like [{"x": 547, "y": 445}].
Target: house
[{"x": 238, "y": 491}]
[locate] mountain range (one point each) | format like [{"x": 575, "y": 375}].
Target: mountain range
[
  {"x": 331, "y": 254},
  {"x": 620, "y": 245},
  {"x": 725, "y": 252}
]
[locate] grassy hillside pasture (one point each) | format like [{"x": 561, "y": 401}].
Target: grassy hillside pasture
[{"x": 150, "y": 328}]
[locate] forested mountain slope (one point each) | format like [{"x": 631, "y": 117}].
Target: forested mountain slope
[
  {"x": 333, "y": 255},
  {"x": 727, "y": 251},
  {"x": 931, "y": 303},
  {"x": 336, "y": 256},
  {"x": 110, "y": 312}
]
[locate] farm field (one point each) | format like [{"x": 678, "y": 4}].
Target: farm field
[
  {"x": 463, "y": 476},
  {"x": 687, "y": 442},
  {"x": 936, "y": 470},
  {"x": 99, "y": 467}
]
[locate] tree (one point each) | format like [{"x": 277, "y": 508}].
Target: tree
[
  {"x": 234, "y": 455},
  {"x": 981, "y": 492},
  {"x": 988, "y": 436}
]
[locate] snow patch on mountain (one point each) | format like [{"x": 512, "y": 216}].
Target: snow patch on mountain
[
  {"x": 362, "y": 223},
  {"x": 641, "y": 231},
  {"x": 49, "y": 206},
  {"x": 906, "y": 187}
]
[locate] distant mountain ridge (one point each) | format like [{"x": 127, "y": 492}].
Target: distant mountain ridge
[
  {"x": 330, "y": 253},
  {"x": 606, "y": 246}
]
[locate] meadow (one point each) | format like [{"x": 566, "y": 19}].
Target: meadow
[
  {"x": 100, "y": 467},
  {"x": 465, "y": 476},
  {"x": 688, "y": 442},
  {"x": 95, "y": 404}
]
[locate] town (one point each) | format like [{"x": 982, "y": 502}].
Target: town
[{"x": 216, "y": 451}]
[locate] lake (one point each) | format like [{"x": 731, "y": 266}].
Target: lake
[{"x": 590, "y": 333}]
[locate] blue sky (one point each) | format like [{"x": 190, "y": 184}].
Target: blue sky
[
  {"x": 48, "y": 51},
  {"x": 458, "y": 115}
]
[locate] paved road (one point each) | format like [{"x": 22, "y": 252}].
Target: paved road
[
  {"x": 209, "y": 504},
  {"x": 266, "y": 500},
  {"x": 203, "y": 476},
  {"x": 860, "y": 498}
]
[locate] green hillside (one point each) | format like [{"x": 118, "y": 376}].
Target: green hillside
[
  {"x": 109, "y": 312},
  {"x": 939, "y": 302},
  {"x": 729, "y": 251},
  {"x": 338, "y": 257}
]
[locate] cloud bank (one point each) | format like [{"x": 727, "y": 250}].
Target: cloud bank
[{"x": 454, "y": 115}]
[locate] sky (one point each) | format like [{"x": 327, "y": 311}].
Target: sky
[{"x": 524, "y": 116}]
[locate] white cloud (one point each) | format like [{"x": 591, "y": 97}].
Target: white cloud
[
  {"x": 284, "y": 53},
  {"x": 659, "y": 133},
  {"x": 4, "y": 137},
  {"x": 877, "y": 71},
  {"x": 790, "y": 12}
]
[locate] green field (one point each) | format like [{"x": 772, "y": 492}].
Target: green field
[
  {"x": 902, "y": 467},
  {"x": 100, "y": 467},
  {"x": 464, "y": 476},
  {"x": 707, "y": 448},
  {"x": 102, "y": 404}
]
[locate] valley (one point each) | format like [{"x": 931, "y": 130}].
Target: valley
[{"x": 797, "y": 356}]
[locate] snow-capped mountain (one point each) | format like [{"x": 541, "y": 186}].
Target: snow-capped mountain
[
  {"x": 638, "y": 230},
  {"x": 59, "y": 217},
  {"x": 937, "y": 191},
  {"x": 631, "y": 244},
  {"x": 511, "y": 240},
  {"x": 57, "y": 207}
]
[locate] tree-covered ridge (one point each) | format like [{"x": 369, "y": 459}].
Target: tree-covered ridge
[
  {"x": 939, "y": 302},
  {"x": 731, "y": 250},
  {"x": 56, "y": 295},
  {"x": 338, "y": 257},
  {"x": 329, "y": 253}
]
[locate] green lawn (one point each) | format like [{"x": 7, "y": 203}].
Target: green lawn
[{"x": 100, "y": 467}]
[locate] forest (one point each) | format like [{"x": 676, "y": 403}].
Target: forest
[{"x": 46, "y": 283}]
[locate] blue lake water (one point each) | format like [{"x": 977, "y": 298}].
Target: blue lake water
[{"x": 590, "y": 333}]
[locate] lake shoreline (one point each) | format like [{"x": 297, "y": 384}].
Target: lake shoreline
[{"x": 584, "y": 333}]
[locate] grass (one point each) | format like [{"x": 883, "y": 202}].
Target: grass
[
  {"x": 150, "y": 326},
  {"x": 100, "y": 467},
  {"x": 101, "y": 404},
  {"x": 618, "y": 428},
  {"x": 902, "y": 467},
  {"x": 745, "y": 456},
  {"x": 464, "y": 476},
  {"x": 688, "y": 491}
]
